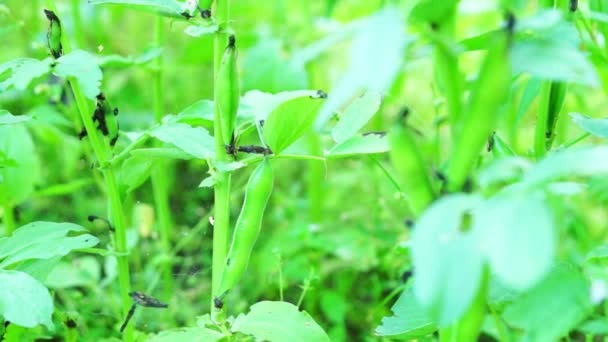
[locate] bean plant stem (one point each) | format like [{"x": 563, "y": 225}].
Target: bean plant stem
[
  {"x": 78, "y": 34},
  {"x": 8, "y": 219},
  {"x": 541, "y": 121},
  {"x": 221, "y": 227},
  {"x": 315, "y": 179},
  {"x": 159, "y": 176},
  {"x": 103, "y": 153}
]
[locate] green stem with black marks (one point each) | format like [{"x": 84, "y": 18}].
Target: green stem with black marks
[
  {"x": 103, "y": 153},
  {"x": 221, "y": 226},
  {"x": 159, "y": 175}
]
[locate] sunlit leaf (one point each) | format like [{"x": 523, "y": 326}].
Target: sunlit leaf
[
  {"x": 24, "y": 301},
  {"x": 409, "y": 319},
  {"x": 361, "y": 144},
  {"x": 81, "y": 66},
  {"x": 597, "y": 127},
  {"x": 18, "y": 180},
  {"x": 23, "y": 71},
  {"x": 7, "y": 118},
  {"x": 187, "y": 334},
  {"x": 169, "y": 8},
  {"x": 195, "y": 141},
  {"x": 279, "y": 322},
  {"x": 356, "y": 115}
]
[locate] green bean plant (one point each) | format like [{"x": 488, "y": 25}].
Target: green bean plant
[{"x": 379, "y": 170}]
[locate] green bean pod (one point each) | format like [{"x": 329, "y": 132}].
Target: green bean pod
[
  {"x": 489, "y": 92},
  {"x": 248, "y": 226},
  {"x": 409, "y": 163},
  {"x": 53, "y": 35},
  {"x": 228, "y": 93}
]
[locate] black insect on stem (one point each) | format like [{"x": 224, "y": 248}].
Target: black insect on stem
[
  {"x": 491, "y": 142},
  {"x": 218, "y": 303},
  {"x": 142, "y": 300},
  {"x": 255, "y": 149},
  {"x": 406, "y": 276},
  {"x": 186, "y": 15},
  {"x": 573, "y": 5},
  {"x": 409, "y": 223},
  {"x": 206, "y": 14},
  {"x": 231, "y": 41},
  {"x": 70, "y": 323},
  {"x": 320, "y": 94},
  {"x": 510, "y": 22}
]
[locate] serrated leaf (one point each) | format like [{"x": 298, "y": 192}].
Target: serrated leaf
[
  {"x": 42, "y": 240},
  {"x": 169, "y": 8},
  {"x": 187, "y": 334},
  {"x": 81, "y": 66},
  {"x": 195, "y": 141},
  {"x": 447, "y": 259},
  {"x": 289, "y": 121},
  {"x": 357, "y": 145},
  {"x": 517, "y": 237},
  {"x": 24, "y": 301},
  {"x": 409, "y": 319},
  {"x": 23, "y": 71},
  {"x": 279, "y": 322},
  {"x": 564, "y": 291},
  {"x": 7, "y": 118},
  {"x": 597, "y": 127},
  {"x": 356, "y": 115}
]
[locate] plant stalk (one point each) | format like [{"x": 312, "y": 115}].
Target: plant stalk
[
  {"x": 221, "y": 227},
  {"x": 8, "y": 219},
  {"x": 159, "y": 176},
  {"x": 103, "y": 154}
]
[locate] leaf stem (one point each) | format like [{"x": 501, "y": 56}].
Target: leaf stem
[{"x": 540, "y": 148}]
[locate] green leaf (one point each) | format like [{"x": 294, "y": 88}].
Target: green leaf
[
  {"x": 433, "y": 11},
  {"x": 24, "y": 301},
  {"x": 18, "y": 181},
  {"x": 84, "y": 271},
  {"x": 376, "y": 56},
  {"x": 7, "y": 118},
  {"x": 262, "y": 104},
  {"x": 599, "y": 253},
  {"x": 23, "y": 71},
  {"x": 117, "y": 61},
  {"x": 548, "y": 48},
  {"x": 279, "y": 322},
  {"x": 597, "y": 127},
  {"x": 289, "y": 121},
  {"x": 188, "y": 334},
  {"x": 161, "y": 153},
  {"x": 503, "y": 170},
  {"x": 134, "y": 172},
  {"x": 409, "y": 320},
  {"x": 446, "y": 258},
  {"x": 269, "y": 71},
  {"x": 565, "y": 292},
  {"x": 195, "y": 141},
  {"x": 168, "y": 8},
  {"x": 357, "y": 145},
  {"x": 575, "y": 162},
  {"x": 356, "y": 115},
  {"x": 197, "y": 114},
  {"x": 42, "y": 240},
  {"x": 81, "y": 66},
  {"x": 517, "y": 237},
  {"x": 201, "y": 30}
]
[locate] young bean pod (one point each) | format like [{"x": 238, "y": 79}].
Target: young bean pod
[
  {"x": 53, "y": 35},
  {"x": 489, "y": 92},
  {"x": 228, "y": 93},
  {"x": 408, "y": 162},
  {"x": 248, "y": 226}
]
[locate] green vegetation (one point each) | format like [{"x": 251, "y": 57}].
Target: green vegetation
[{"x": 338, "y": 170}]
